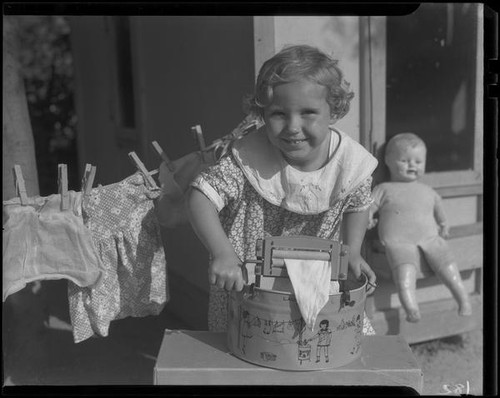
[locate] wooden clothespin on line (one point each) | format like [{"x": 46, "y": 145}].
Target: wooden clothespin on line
[
  {"x": 170, "y": 165},
  {"x": 163, "y": 155},
  {"x": 140, "y": 166},
  {"x": 20, "y": 185},
  {"x": 221, "y": 145},
  {"x": 196, "y": 130},
  {"x": 88, "y": 179},
  {"x": 62, "y": 181}
]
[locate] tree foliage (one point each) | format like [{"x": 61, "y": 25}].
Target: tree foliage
[{"x": 47, "y": 68}]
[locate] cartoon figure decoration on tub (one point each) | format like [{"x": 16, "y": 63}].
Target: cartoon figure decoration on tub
[
  {"x": 304, "y": 351},
  {"x": 324, "y": 336},
  {"x": 357, "y": 336},
  {"x": 246, "y": 329},
  {"x": 411, "y": 221}
]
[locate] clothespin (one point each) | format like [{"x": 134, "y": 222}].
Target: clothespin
[
  {"x": 196, "y": 130},
  {"x": 88, "y": 179},
  {"x": 20, "y": 185},
  {"x": 163, "y": 155},
  {"x": 140, "y": 166},
  {"x": 62, "y": 180},
  {"x": 221, "y": 145}
]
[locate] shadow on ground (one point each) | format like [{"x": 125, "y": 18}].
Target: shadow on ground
[{"x": 38, "y": 347}]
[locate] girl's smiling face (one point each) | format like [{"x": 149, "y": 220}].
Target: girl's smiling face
[{"x": 297, "y": 123}]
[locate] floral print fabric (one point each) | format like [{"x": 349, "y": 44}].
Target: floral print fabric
[
  {"x": 247, "y": 216},
  {"x": 126, "y": 234}
]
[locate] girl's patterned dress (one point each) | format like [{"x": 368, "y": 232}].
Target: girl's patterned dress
[{"x": 247, "y": 216}]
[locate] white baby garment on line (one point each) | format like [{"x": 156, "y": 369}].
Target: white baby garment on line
[{"x": 311, "y": 284}]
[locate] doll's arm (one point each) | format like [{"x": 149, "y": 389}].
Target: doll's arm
[
  {"x": 354, "y": 229},
  {"x": 224, "y": 270},
  {"x": 440, "y": 217}
]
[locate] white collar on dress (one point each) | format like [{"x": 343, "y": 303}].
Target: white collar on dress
[{"x": 301, "y": 192}]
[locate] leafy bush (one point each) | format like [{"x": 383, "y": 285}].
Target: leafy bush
[{"x": 47, "y": 68}]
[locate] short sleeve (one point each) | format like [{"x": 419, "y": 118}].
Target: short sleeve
[
  {"x": 360, "y": 199},
  {"x": 221, "y": 183}
]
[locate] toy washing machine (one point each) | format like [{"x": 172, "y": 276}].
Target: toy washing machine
[{"x": 265, "y": 325}]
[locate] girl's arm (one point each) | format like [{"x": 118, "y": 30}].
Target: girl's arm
[
  {"x": 224, "y": 270},
  {"x": 354, "y": 228}
]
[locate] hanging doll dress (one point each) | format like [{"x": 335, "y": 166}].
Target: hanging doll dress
[{"x": 125, "y": 232}]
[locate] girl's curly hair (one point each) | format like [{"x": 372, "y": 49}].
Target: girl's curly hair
[{"x": 300, "y": 62}]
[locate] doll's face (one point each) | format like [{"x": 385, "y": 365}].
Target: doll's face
[
  {"x": 297, "y": 123},
  {"x": 408, "y": 164}
]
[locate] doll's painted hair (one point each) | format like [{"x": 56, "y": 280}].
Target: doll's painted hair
[
  {"x": 403, "y": 141},
  {"x": 301, "y": 62}
]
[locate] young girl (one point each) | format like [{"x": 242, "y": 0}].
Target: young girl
[
  {"x": 296, "y": 175},
  {"x": 411, "y": 219}
]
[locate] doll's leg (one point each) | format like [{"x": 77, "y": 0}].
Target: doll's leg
[
  {"x": 405, "y": 277},
  {"x": 450, "y": 276},
  {"x": 440, "y": 259}
]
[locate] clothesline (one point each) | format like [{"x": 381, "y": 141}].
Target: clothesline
[{"x": 106, "y": 241}]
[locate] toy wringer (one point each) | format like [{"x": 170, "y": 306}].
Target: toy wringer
[{"x": 265, "y": 325}]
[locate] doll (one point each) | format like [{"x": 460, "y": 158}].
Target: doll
[{"x": 411, "y": 222}]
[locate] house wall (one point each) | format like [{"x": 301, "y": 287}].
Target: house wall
[{"x": 195, "y": 73}]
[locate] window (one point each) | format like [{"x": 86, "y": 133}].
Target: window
[
  {"x": 423, "y": 73},
  {"x": 126, "y": 107},
  {"x": 122, "y": 80},
  {"x": 430, "y": 77}
]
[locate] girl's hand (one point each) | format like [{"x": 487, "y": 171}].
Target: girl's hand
[
  {"x": 358, "y": 265},
  {"x": 225, "y": 272}
]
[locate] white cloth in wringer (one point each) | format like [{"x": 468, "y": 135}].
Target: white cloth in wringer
[{"x": 311, "y": 285}]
